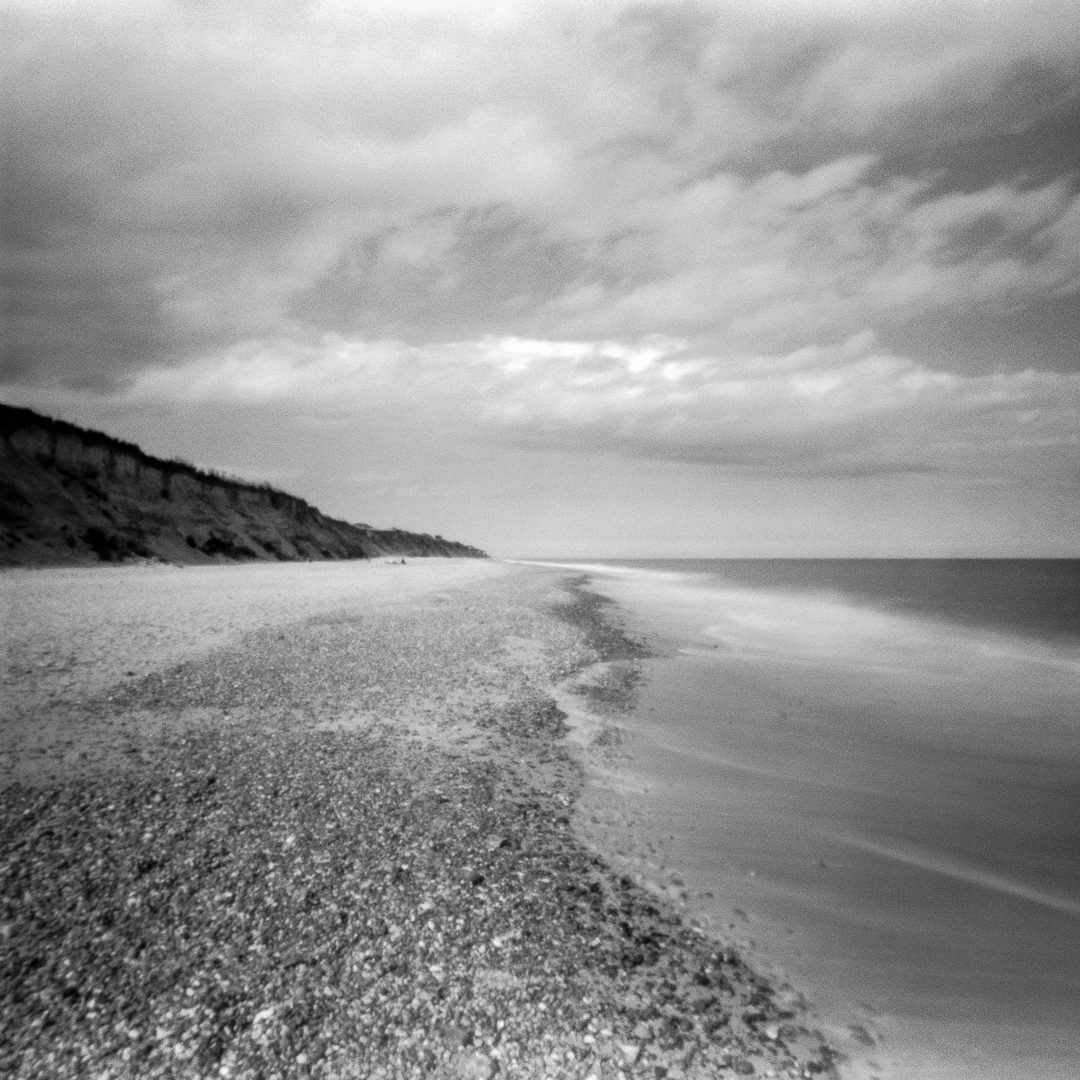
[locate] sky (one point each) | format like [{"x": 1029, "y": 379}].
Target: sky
[{"x": 565, "y": 278}]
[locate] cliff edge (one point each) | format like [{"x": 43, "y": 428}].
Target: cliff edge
[{"x": 68, "y": 495}]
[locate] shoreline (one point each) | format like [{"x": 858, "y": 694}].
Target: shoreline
[
  {"x": 335, "y": 842},
  {"x": 728, "y": 793}
]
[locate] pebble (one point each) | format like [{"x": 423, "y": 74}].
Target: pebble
[
  {"x": 475, "y": 1067},
  {"x": 294, "y": 899}
]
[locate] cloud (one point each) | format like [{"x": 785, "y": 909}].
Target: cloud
[
  {"x": 847, "y": 411},
  {"x": 767, "y": 263},
  {"x": 190, "y": 176},
  {"x": 448, "y": 273},
  {"x": 774, "y": 262}
]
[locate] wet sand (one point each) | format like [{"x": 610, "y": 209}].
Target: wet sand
[
  {"x": 892, "y": 831},
  {"x": 315, "y": 821}
]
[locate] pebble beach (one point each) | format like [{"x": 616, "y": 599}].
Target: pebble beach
[{"x": 320, "y": 820}]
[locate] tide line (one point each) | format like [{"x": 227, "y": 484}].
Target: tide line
[{"x": 959, "y": 871}]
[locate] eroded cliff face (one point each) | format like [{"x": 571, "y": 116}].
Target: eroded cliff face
[{"x": 69, "y": 495}]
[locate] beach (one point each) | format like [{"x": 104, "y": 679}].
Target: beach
[{"x": 329, "y": 820}]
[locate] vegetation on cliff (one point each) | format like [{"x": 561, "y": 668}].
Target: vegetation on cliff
[{"x": 70, "y": 495}]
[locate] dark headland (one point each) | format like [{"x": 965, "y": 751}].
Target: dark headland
[{"x": 69, "y": 495}]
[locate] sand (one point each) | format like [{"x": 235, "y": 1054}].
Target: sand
[
  {"x": 80, "y": 635},
  {"x": 318, "y": 820}
]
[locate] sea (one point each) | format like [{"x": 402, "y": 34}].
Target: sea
[{"x": 867, "y": 773}]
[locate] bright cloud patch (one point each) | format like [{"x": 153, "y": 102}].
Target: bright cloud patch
[{"x": 845, "y": 411}]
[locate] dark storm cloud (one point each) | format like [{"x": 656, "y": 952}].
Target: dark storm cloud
[
  {"x": 87, "y": 261},
  {"x": 1028, "y": 130},
  {"x": 75, "y": 304}
]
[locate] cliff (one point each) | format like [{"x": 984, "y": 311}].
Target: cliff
[{"x": 68, "y": 495}]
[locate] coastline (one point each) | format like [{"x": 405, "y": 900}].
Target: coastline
[{"x": 327, "y": 832}]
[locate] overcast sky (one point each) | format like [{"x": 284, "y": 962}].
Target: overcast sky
[{"x": 566, "y": 278}]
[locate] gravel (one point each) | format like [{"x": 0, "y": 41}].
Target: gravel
[{"x": 343, "y": 847}]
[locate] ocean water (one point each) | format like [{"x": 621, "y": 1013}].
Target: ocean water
[
  {"x": 1030, "y": 597},
  {"x": 869, "y": 772}
]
